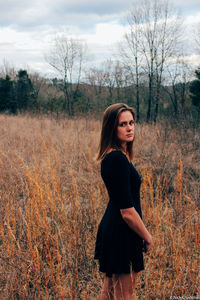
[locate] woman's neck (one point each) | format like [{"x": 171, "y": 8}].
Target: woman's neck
[{"x": 124, "y": 147}]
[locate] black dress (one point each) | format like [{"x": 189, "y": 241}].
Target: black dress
[{"x": 119, "y": 248}]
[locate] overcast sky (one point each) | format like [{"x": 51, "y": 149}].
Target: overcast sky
[{"x": 27, "y": 28}]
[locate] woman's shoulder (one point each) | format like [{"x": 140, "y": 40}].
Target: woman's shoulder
[
  {"x": 115, "y": 156},
  {"x": 113, "y": 163}
]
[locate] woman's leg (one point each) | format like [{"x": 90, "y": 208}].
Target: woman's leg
[
  {"x": 124, "y": 286},
  {"x": 107, "y": 289}
]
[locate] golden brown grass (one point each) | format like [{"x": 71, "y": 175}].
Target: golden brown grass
[{"x": 52, "y": 199}]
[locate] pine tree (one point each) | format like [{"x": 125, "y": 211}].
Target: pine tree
[
  {"x": 7, "y": 95},
  {"x": 24, "y": 90},
  {"x": 195, "y": 90}
]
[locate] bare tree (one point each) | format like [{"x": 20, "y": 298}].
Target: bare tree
[
  {"x": 153, "y": 36},
  {"x": 37, "y": 81},
  {"x": 109, "y": 79},
  {"x": 120, "y": 79},
  {"x": 107, "y": 82},
  {"x": 66, "y": 57},
  {"x": 197, "y": 37},
  {"x": 7, "y": 69},
  {"x": 114, "y": 79},
  {"x": 130, "y": 51},
  {"x": 96, "y": 79},
  {"x": 177, "y": 75},
  {"x": 168, "y": 38}
]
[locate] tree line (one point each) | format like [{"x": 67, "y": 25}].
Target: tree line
[
  {"x": 150, "y": 73},
  {"x": 32, "y": 93}
]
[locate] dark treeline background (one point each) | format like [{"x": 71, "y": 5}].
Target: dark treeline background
[
  {"x": 150, "y": 74},
  {"x": 37, "y": 95}
]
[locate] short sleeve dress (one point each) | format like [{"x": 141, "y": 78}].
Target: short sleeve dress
[{"x": 118, "y": 248}]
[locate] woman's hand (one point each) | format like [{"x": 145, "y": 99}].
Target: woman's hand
[{"x": 148, "y": 243}]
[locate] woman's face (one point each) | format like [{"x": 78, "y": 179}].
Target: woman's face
[{"x": 126, "y": 127}]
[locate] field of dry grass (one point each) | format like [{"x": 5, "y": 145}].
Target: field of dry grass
[{"x": 52, "y": 199}]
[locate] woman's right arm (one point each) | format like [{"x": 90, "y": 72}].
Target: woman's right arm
[{"x": 132, "y": 218}]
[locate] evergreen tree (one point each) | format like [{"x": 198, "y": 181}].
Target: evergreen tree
[
  {"x": 7, "y": 95},
  {"x": 195, "y": 90},
  {"x": 24, "y": 90}
]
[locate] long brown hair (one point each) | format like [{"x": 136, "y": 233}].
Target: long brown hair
[{"x": 108, "y": 139}]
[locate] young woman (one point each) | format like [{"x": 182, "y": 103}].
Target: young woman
[{"x": 122, "y": 235}]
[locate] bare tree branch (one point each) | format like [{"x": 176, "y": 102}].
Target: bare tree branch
[{"x": 66, "y": 57}]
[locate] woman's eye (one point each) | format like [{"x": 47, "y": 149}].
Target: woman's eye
[{"x": 131, "y": 123}]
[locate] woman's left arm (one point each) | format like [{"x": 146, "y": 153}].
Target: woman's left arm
[{"x": 132, "y": 218}]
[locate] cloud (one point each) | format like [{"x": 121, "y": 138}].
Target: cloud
[
  {"x": 61, "y": 12},
  {"x": 187, "y": 7},
  {"x": 102, "y": 7},
  {"x": 79, "y": 15},
  {"x": 27, "y": 28},
  {"x": 193, "y": 60},
  {"x": 113, "y": 31}
]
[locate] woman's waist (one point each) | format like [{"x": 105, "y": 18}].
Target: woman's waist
[{"x": 113, "y": 205}]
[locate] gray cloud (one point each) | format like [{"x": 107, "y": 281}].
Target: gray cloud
[
  {"x": 102, "y": 7},
  {"x": 83, "y": 14},
  {"x": 33, "y": 13}
]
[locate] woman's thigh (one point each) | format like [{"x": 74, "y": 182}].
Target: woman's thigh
[
  {"x": 124, "y": 285},
  {"x": 107, "y": 289}
]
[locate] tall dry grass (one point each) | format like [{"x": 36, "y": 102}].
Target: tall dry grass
[{"x": 52, "y": 199}]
